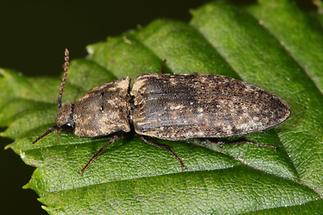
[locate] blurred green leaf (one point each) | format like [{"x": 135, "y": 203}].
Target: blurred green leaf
[{"x": 133, "y": 178}]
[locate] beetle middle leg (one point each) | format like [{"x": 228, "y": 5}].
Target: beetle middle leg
[
  {"x": 165, "y": 147},
  {"x": 99, "y": 152}
]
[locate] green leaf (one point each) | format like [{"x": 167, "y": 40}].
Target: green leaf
[
  {"x": 319, "y": 14},
  {"x": 310, "y": 208},
  {"x": 134, "y": 178},
  {"x": 294, "y": 29}
]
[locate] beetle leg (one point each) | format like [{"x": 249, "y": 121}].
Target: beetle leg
[
  {"x": 99, "y": 152},
  {"x": 240, "y": 141},
  {"x": 165, "y": 147},
  {"x": 49, "y": 130}
]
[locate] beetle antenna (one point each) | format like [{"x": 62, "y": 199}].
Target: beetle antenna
[
  {"x": 49, "y": 130},
  {"x": 61, "y": 87}
]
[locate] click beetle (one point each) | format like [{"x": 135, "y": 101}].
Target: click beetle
[{"x": 170, "y": 107}]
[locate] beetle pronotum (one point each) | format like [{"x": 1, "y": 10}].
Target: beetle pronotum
[{"x": 169, "y": 107}]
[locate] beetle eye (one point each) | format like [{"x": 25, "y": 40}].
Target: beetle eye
[{"x": 70, "y": 124}]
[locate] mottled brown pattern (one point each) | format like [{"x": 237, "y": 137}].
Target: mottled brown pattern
[
  {"x": 172, "y": 107},
  {"x": 179, "y": 107},
  {"x": 103, "y": 111}
]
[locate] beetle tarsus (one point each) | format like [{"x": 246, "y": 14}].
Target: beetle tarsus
[
  {"x": 99, "y": 152},
  {"x": 165, "y": 147}
]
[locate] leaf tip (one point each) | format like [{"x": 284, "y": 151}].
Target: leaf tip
[
  {"x": 44, "y": 207},
  {"x": 127, "y": 40},
  {"x": 7, "y": 146},
  {"x": 27, "y": 186},
  {"x": 90, "y": 49}
]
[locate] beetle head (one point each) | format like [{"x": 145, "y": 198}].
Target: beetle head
[{"x": 65, "y": 116}]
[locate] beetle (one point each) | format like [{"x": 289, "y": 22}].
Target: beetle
[{"x": 170, "y": 107}]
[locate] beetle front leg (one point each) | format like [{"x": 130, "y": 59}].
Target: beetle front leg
[
  {"x": 99, "y": 152},
  {"x": 165, "y": 147}
]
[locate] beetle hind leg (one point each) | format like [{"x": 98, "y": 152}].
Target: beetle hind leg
[{"x": 165, "y": 147}]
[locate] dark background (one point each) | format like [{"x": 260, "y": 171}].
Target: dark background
[{"x": 33, "y": 35}]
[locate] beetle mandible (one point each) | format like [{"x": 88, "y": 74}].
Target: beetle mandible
[{"x": 169, "y": 107}]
